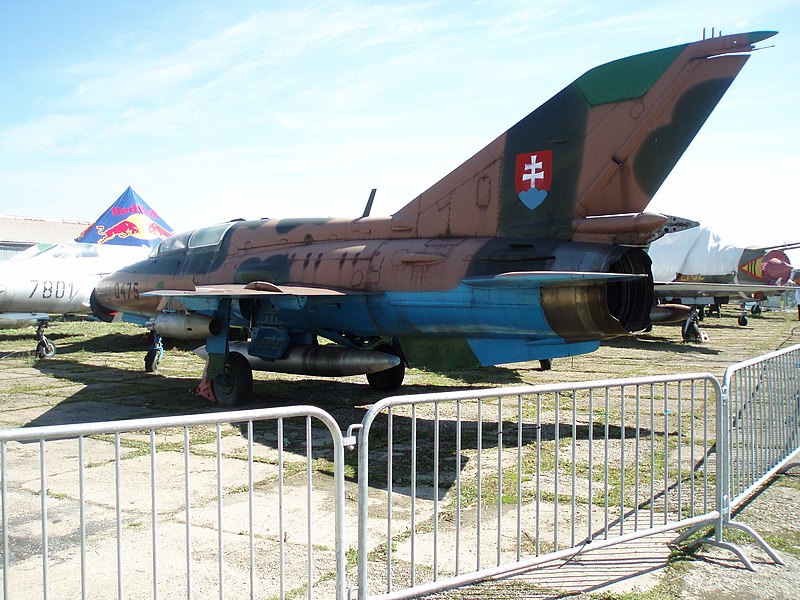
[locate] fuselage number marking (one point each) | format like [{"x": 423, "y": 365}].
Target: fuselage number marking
[
  {"x": 48, "y": 288},
  {"x": 127, "y": 290}
]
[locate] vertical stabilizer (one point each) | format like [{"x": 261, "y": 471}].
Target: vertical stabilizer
[{"x": 601, "y": 146}]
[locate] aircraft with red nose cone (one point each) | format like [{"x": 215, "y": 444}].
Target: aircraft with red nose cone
[
  {"x": 532, "y": 249},
  {"x": 698, "y": 269}
]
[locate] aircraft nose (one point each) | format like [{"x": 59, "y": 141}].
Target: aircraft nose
[{"x": 775, "y": 270}]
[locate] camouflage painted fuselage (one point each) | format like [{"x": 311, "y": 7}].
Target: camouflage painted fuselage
[
  {"x": 398, "y": 286},
  {"x": 531, "y": 249}
]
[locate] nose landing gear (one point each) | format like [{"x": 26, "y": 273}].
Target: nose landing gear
[{"x": 45, "y": 348}]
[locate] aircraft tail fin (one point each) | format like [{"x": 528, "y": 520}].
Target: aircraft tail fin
[
  {"x": 129, "y": 221},
  {"x": 601, "y": 146}
]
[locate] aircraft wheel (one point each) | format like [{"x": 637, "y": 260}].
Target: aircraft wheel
[
  {"x": 152, "y": 360},
  {"x": 390, "y": 379},
  {"x": 691, "y": 332},
  {"x": 235, "y": 385},
  {"x": 546, "y": 364},
  {"x": 45, "y": 348},
  {"x": 742, "y": 320},
  {"x": 756, "y": 310}
]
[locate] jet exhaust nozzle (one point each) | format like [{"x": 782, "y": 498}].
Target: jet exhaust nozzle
[
  {"x": 179, "y": 326},
  {"x": 318, "y": 361}
]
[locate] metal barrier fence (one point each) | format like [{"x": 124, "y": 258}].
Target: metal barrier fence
[
  {"x": 763, "y": 412},
  {"x": 205, "y": 505},
  {"x": 476, "y": 484},
  {"x": 452, "y": 488},
  {"x": 760, "y": 423}
]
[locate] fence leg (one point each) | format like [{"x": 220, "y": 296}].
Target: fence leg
[
  {"x": 718, "y": 543},
  {"x": 758, "y": 539}
]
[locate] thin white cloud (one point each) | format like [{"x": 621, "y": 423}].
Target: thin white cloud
[{"x": 241, "y": 109}]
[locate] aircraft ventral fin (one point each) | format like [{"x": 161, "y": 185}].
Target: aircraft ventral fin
[
  {"x": 256, "y": 288},
  {"x": 524, "y": 279}
]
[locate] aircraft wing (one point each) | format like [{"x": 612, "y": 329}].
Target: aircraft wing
[
  {"x": 789, "y": 246},
  {"x": 256, "y": 288},
  {"x": 705, "y": 289},
  {"x": 522, "y": 279},
  {"x": 510, "y": 279}
]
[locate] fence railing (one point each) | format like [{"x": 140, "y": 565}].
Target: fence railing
[
  {"x": 763, "y": 418},
  {"x": 452, "y": 488},
  {"x": 174, "y": 507},
  {"x": 473, "y": 484},
  {"x": 760, "y": 424}
]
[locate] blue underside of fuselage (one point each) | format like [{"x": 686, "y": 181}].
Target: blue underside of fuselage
[
  {"x": 501, "y": 324},
  {"x": 462, "y": 312}
]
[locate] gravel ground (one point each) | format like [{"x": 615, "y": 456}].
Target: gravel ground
[
  {"x": 647, "y": 569},
  {"x": 87, "y": 381}
]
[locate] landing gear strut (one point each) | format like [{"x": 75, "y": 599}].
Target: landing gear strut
[
  {"x": 691, "y": 330},
  {"x": 154, "y": 354},
  {"x": 45, "y": 348}
]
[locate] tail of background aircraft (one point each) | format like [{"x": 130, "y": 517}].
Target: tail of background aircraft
[
  {"x": 599, "y": 148},
  {"x": 129, "y": 221}
]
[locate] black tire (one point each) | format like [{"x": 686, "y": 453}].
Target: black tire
[
  {"x": 151, "y": 360},
  {"x": 45, "y": 349},
  {"x": 742, "y": 320},
  {"x": 691, "y": 332},
  {"x": 390, "y": 379},
  {"x": 756, "y": 310},
  {"x": 235, "y": 386},
  {"x": 546, "y": 364}
]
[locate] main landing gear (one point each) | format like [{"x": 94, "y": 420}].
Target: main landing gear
[
  {"x": 388, "y": 379},
  {"x": 235, "y": 384},
  {"x": 755, "y": 311},
  {"x": 154, "y": 354},
  {"x": 230, "y": 383},
  {"x": 45, "y": 348},
  {"x": 691, "y": 328}
]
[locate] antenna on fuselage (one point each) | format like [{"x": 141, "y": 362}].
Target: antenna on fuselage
[{"x": 368, "y": 207}]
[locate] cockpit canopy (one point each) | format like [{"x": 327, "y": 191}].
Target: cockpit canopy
[{"x": 199, "y": 238}]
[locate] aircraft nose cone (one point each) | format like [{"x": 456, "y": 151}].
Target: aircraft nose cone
[{"x": 775, "y": 270}]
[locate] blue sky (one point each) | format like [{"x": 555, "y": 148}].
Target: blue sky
[{"x": 217, "y": 110}]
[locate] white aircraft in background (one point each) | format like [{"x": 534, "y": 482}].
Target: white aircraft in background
[
  {"x": 60, "y": 278},
  {"x": 696, "y": 268}
]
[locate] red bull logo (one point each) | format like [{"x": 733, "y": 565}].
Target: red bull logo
[
  {"x": 118, "y": 211},
  {"x": 158, "y": 231},
  {"x": 122, "y": 229},
  {"x": 127, "y": 222}
]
